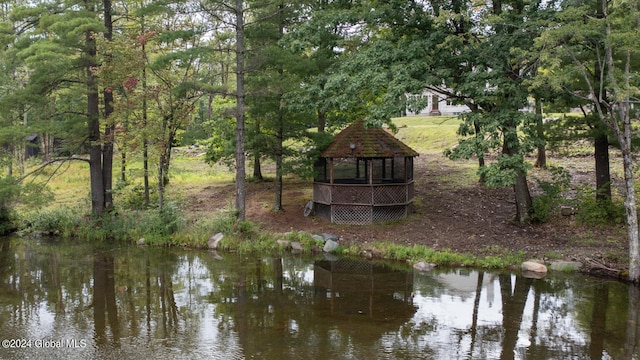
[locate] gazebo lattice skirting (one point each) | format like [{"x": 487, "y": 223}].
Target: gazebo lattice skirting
[{"x": 362, "y": 204}]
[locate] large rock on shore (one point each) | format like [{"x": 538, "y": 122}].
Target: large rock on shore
[
  {"x": 214, "y": 241},
  {"x": 330, "y": 246},
  {"x": 533, "y": 269},
  {"x": 423, "y": 266}
]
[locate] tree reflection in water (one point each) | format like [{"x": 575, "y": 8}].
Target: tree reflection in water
[
  {"x": 162, "y": 303},
  {"x": 104, "y": 299}
]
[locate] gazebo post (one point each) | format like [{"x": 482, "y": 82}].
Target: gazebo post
[
  {"x": 405, "y": 169},
  {"x": 330, "y": 170},
  {"x": 393, "y": 169}
]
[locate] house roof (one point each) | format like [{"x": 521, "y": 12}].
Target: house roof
[{"x": 369, "y": 142}]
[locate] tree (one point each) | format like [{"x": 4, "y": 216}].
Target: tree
[
  {"x": 471, "y": 53},
  {"x": 572, "y": 92},
  {"x": 107, "y": 96},
  {"x": 239, "y": 25},
  {"x": 320, "y": 38},
  {"x": 175, "y": 92},
  {"x": 90, "y": 63},
  {"x": 491, "y": 63},
  {"x": 233, "y": 15},
  {"x": 611, "y": 87},
  {"x": 273, "y": 75},
  {"x": 60, "y": 50}
]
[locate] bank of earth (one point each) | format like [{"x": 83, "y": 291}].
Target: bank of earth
[{"x": 451, "y": 211}]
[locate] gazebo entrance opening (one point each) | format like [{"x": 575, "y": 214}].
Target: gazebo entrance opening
[{"x": 365, "y": 171}]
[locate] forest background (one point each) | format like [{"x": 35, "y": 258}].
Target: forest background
[{"x": 111, "y": 84}]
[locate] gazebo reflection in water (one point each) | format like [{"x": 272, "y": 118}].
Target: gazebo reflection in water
[{"x": 351, "y": 289}]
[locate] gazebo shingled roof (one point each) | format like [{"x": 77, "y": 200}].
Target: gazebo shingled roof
[{"x": 370, "y": 142}]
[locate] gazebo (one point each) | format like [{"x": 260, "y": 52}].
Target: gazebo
[{"x": 364, "y": 176}]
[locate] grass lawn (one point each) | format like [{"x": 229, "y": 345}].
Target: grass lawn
[{"x": 428, "y": 134}]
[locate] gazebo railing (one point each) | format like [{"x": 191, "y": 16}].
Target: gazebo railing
[{"x": 363, "y": 194}]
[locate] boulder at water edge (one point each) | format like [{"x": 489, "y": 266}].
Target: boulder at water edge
[
  {"x": 423, "y": 266},
  {"x": 533, "y": 266},
  {"x": 297, "y": 246},
  {"x": 330, "y": 246},
  {"x": 214, "y": 241}
]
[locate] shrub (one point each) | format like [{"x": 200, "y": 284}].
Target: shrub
[
  {"x": 594, "y": 212},
  {"x": 157, "y": 227},
  {"x": 132, "y": 197},
  {"x": 52, "y": 222},
  {"x": 546, "y": 204},
  {"x": 9, "y": 194}
]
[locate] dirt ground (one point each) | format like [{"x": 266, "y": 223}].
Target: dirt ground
[{"x": 466, "y": 219}]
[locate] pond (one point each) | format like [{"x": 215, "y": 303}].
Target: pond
[{"x": 69, "y": 301}]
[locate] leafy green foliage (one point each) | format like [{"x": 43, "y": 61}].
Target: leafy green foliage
[
  {"x": 132, "y": 197},
  {"x": 221, "y": 143},
  {"x": 9, "y": 193},
  {"x": 546, "y": 204},
  {"x": 60, "y": 222},
  {"x": 593, "y": 212},
  {"x": 13, "y": 193}
]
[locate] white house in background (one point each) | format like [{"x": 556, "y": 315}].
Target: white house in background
[{"x": 437, "y": 104}]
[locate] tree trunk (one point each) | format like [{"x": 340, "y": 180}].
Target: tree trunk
[
  {"x": 277, "y": 204},
  {"x": 123, "y": 152},
  {"x": 603, "y": 175},
  {"x": 107, "y": 163},
  {"x": 541, "y": 160},
  {"x": 93, "y": 125},
  {"x": 520, "y": 187},
  {"x": 160, "y": 182},
  {"x": 523, "y": 197},
  {"x": 631, "y": 210},
  {"x": 240, "y": 112},
  {"x": 480, "y": 153},
  {"x": 123, "y": 166},
  {"x": 167, "y": 153},
  {"x": 257, "y": 167},
  {"x": 107, "y": 149},
  {"x": 162, "y": 159},
  {"x": 145, "y": 169},
  {"x": 322, "y": 121},
  {"x": 47, "y": 147},
  {"x": 145, "y": 141}
]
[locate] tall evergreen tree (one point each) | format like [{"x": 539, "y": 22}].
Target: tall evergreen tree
[
  {"x": 61, "y": 53},
  {"x": 274, "y": 74}
]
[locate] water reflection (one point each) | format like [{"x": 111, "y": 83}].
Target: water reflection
[
  {"x": 81, "y": 302},
  {"x": 349, "y": 290}
]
